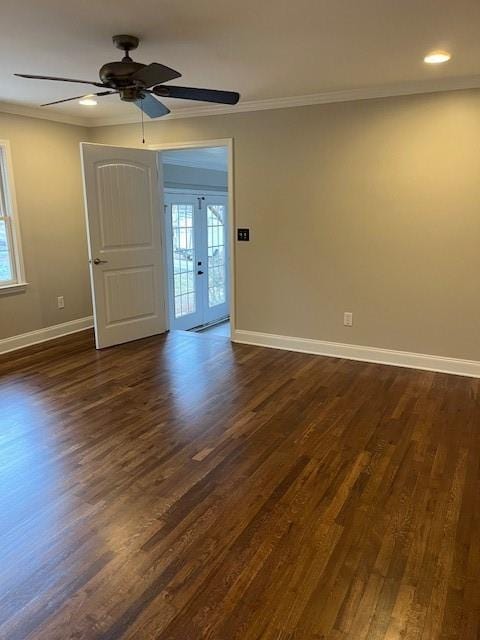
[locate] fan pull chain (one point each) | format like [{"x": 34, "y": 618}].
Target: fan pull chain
[{"x": 143, "y": 126}]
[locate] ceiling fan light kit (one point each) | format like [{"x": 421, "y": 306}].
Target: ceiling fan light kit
[{"x": 140, "y": 83}]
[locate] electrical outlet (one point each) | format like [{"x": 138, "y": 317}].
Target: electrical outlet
[
  {"x": 348, "y": 318},
  {"x": 60, "y": 302}
]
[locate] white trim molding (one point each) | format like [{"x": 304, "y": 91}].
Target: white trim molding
[
  {"x": 325, "y": 97},
  {"x": 47, "y": 333},
  {"x": 11, "y": 218},
  {"x": 470, "y": 368},
  {"x": 228, "y": 143},
  {"x": 43, "y": 113},
  {"x": 17, "y": 287}
]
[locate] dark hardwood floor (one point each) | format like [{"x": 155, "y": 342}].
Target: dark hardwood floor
[{"x": 181, "y": 488}]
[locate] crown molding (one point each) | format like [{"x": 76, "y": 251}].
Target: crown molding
[
  {"x": 326, "y": 97},
  {"x": 43, "y": 114}
]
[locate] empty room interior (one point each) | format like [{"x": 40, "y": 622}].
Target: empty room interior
[{"x": 239, "y": 311}]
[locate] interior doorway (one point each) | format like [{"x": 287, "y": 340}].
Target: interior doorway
[
  {"x": 196, "y": 202},
  {"x": 144, "y": 279}
]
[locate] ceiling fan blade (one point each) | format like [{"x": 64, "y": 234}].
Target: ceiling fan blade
[
  {"x": 101, "y": 93},
  {"x": 152, "y": 107},
  {"x": 192, "y": 93},
  {"x": 32, "y": 77},
  {"x": 155, "y": 74}
]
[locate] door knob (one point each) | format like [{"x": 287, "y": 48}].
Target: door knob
[
  {"x": 98, "y": 261},
  {"x": 200, "y": 273}
]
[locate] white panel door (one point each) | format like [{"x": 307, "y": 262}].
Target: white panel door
[{"x": 124, "y": 226}]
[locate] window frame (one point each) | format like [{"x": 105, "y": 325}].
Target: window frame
[{"x": 10, "y": 215}]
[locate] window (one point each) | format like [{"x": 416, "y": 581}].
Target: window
[{"x": 11, "y": 266}]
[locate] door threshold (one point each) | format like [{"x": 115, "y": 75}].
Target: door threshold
[{"x": 203, "y": 327}]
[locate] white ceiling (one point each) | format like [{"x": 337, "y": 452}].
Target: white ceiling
[
  {"x": 263, "y": 48},
  {"x": 205, "y": 158}
]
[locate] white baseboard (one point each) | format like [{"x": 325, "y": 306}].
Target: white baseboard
[
  {"x": 376, "y": 355},
  {"x": 454, "y": 366},
  {"x": 42, "y": 335}
]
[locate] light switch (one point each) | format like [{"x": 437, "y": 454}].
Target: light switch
[{"x": 243, "y": 235}]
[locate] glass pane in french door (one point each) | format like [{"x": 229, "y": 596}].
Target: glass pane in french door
[
  {"x": 217, "y": 271},
  {"x": 183, "y": 252}
]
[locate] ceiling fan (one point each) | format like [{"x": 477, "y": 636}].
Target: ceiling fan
[{"x": 139, "y": 83}]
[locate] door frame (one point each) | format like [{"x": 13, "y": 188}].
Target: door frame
[
  {"x": 173, "y": 191},
  {"x": 202, "y": 144}
]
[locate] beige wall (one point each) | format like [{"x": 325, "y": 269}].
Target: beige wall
[
  {"x": 46, "y": 166},
  {"x": 371, "y": 207}
]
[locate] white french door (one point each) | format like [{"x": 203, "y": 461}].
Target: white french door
[
  {"x": 185, "y": 262},
  {"x": 197, "y": 257},
  {"x": 216, "y": 284}
]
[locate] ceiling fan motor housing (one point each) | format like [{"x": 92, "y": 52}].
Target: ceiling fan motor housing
[
  {"x": 118, "y": 74},
  {"x": 131, "y": 94}
]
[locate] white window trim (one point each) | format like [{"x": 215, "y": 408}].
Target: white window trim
[{"x": 19, "y": 283}]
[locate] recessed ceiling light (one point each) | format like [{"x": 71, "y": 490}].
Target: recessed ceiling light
[
  {"x": 437, "y": 57},
  {"x": 88, "y": 101}
]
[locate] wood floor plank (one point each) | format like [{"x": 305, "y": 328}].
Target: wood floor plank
[{"x": 184, "y": 488}]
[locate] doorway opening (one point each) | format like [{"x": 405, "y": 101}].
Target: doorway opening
[{"x": 196, "y": 200}]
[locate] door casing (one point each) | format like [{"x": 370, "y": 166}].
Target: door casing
[{"x": 229, "y": 144}]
